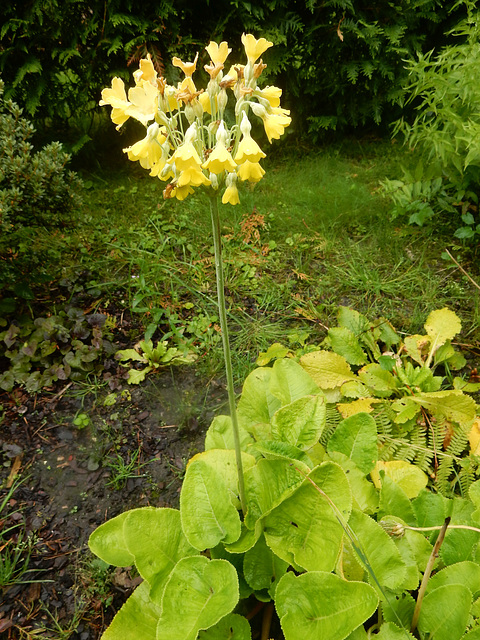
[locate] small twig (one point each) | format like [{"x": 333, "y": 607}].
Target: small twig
[
  {"x": 462, "y": 270},
  {"x": 61, "y": 392},
  {"x": 426, "y": 575}
]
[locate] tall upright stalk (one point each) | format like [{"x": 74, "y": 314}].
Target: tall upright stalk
[{"x": 217, "y": 243}]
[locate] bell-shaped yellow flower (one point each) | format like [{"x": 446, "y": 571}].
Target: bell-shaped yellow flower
[
  {"x": 251, "y": 171},
  {"x": 230, "y": 195},
  {"x": 194, "y": 177},
  {"x": 220, "y": 158},
  {"x": 218, "y": 52},
  {"x": 144, "y": 102},
  {"x": 275, "y": 119},
  {"x": 117, "y": 98},
  {"x": 253, "y": 47},
  {"x": 248, "y": 149},
  {"x": 270, "y": 93},
  {"x": 180, "y": 193},
  {"x": 187, "y": 67},
  {"x": 149, "y": 150}
]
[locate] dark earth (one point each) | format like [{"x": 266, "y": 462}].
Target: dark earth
[{"x": 71, "y": 482}]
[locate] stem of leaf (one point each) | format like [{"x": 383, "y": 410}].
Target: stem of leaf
[
  {"x": 426, "y": 575},
  {"x": 217, "y": 243}
]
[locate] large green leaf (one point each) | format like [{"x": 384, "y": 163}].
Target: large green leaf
[
  {"x": 344, "y": 342},
  {"x": 356, "y": 437},
  {"x": 382, "y": 554},
  {"x": 364, "y": 494},
  {"x": 382, "y": 383},
  {"x": 445, "y": 612},
  {"x": 220, "y": 435},
  {"x": 108, "y": 542},
  {"x": 207, "y": 513},
  {"x": 257, "y": 403},
  {"x": 390, "y": 631},
  {"x": 261, "y": 567},
  {"x": 156, "y": 540},
  {"x": 328, "y": 370},
  {"x": 231, "y": 627},
  {"x": 137, "y": 618},
  {"x": 452, "y": 404},
  {"x": 318, "y": 604},
  {"x": 301, "y": 422},
  {"x": 267, "y": 484},
  {"x": 225, "y": 463},
  {"x": 305, "y": 527},
  {"x": 442, "y": 325},
  {"x": 289, "y": 381},
  {"x": 466, "y": 573},
  {"x": 460, "y": 544},
  {"x": 198, "y": 594},
  {"x": 394, "y": 502},
  {"x": 410, "y": 478}
]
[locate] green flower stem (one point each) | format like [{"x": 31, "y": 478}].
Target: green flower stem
[
  {"x": 426, "y": 575},
  {"x": 217, "y": 243}
]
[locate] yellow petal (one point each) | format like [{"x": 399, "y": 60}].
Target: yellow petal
[
  {"x": 218, "y": 52},
  {"x": 230, "y": 195},
  {"x": 251, "y": 171},
  {"x": 220, "y": 160},
  {"x": 253, "y": 47},
  {"x": 248, "y": 149}
]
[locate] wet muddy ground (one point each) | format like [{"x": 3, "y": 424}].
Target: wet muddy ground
[{"x": 84, "y": 454}]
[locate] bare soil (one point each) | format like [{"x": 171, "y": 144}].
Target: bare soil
[{"x": 71, "y": 484}]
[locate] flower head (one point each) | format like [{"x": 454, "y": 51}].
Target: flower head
[
  {"x": 230, "y": 194},
  {"x": 144, "y": 102},
  {"x": 146, "y": 72},
  {"x": 248, "y": 149},
  {"x": 251, "y": 171},
  {"x": 220, "y": 158},
  {"x": 218, "y": 52},
  {"x": 253, "y": 47},
  {"x": 187, "y": 67},
  {"x": 117, "y": 98}
]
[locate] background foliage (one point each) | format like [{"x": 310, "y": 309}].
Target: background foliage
[{"x": 55, "y": 56}]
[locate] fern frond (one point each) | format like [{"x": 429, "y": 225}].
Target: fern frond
[{"x": 333, "y": 420}]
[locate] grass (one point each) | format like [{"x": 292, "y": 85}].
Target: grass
[{"x": 314, "y": 234}]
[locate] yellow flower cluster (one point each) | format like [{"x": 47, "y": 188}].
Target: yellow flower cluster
[{"x": 187, "y": 141}]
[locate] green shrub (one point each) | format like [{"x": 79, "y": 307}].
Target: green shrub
[
  {"x": 35, "y": 187},
  {"x": 446, "y": 131}
]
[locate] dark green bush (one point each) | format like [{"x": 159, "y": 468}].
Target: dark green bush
[
  {"x": 340, "y": 62},
  {"x": 35, "y": 187}
]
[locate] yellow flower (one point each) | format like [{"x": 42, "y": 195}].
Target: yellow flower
[
  {"x": 253, "y": 47},
  {"x": 204, "y": 100},
  {"x": 272, "y": 94},
  {"x": 186, "y": 157},
  {"x": 192, "y": 176},
  {"x": 218, "y": 52},
  {"x": 220, "y": 158},
  {"x": 146, "y": 72},
  {"x": 149, "y": 150},
  {"x": 180, "y": 193},
  {"x": 144, "y": 102},
  {"x": 248, "y": 149},
  {"x": 275, "y": 119},
  {"x": 187, "y": 67},
  {"x": 117, "y": 98},
  {"x": 276, "y": 124},
  {"x": 230, "y": 194},
  {"x": 251, "y": 171}
]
